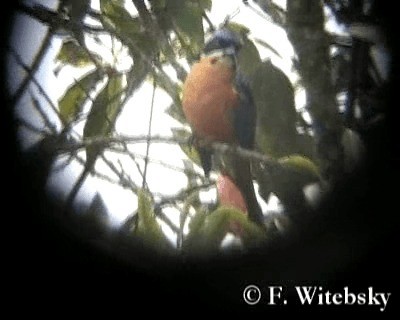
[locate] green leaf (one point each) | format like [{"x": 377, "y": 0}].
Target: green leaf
[
  {"x": 73, "y": 54},
  {"x": 205, "y": 4},
  {"x": 158, "y": 4},
  {"x": 193, "y": 239},
  {"x": 288, "y": 180},
  {"x": 276, "y": 112},
  {"x": 148, "y": 228},
  {"x": 268, "y": 46},
  {"x": 249, "y": 59},
  {"x": 221, "y": 219},
  {"x": 187, "y": 16},
  {"x": 117, "y": 16},
  {"x": 176, "y": 113},
  {"x": 112, "y": 7},
  {"x": 70, "y": 104},
  {"x": 103, "y": 114},
  {"x": 129, "y": 29},
  {"x": 238, "y": 28},
  {"x": 206, "y": 231},
  {"x": 170, "y": 87},
  {"x": 138, "y": 73},
  {"x": 302, "y": 166}
]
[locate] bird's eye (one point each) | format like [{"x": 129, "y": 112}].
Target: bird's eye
[{"x": 213, "y": 60}]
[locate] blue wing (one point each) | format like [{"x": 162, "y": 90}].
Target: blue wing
[{"x": 245, "y": 115}]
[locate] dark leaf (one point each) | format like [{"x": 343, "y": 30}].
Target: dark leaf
[
  {"x": 205, "y": 4},
  {"x": 187, "y": 16},
  {"x": 97, "y": 214},
  {"x": 168, "y": 86},
  {"x": 103, "y": 114},
  {"x": 70, "y": 104},
  {"x": 76, "y": 8},
  {"x": 305, "y": 169},
  {"x": 119, "y": 18},
  {"x": 138, "y": 73},
  {"x": 268, "y": 46},
  {"x": 206, "y": 231},
  {"x": 176, "y": 112},
  {"x": 157, "y": 5},
  {"x": 129, "y": 29},
  {"x": 72, "y": 53},
  {"x": 249, "y": 59},
  {"x": 93, "y": 224},
  {"x": 148, "y": 228},
  {"x": 276, "y": 113}
]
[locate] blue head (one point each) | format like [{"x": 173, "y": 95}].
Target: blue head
[{"x": 223, "y": 41}]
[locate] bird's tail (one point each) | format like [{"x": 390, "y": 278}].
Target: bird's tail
[{"x": 241, "y": 172}]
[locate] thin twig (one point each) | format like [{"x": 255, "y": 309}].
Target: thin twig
[
  {"x": 209, "y": 22},
  {"x": 34, "y": 66},
  {"x": 159, "y": 35},
  {"x": 220, "y": 147},
  {"x": 184, "y": 194},
  {"x": 109, "y": 141},
  {"x": 101, "y": 175},
  {"x": 125, "y": 180},
  {"x": 48, "y": 123},
  {"x": 132, "y": 156},
  {"x": 163, "y": 217},
  {"x": 148, "y": 142},
  {"x": 135, "y": 156},
  {"x": 29, "y": 126},
  {"x": 56, "y": 20},
  {"x": 270, "y": 12},
  {"x": 38, "y": 85}
]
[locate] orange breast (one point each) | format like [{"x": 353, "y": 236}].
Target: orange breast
[{"x": 209, "y": 99}]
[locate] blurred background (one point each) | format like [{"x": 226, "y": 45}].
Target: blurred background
[{"x": 104, "y": 188}]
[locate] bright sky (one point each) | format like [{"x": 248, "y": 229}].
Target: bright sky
[{"x": 134, "y": 119}]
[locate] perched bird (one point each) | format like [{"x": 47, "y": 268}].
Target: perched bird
[{"x": 218, "y": 105}]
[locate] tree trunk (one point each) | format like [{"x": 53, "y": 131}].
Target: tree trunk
[{"x": 305, "y": 28}]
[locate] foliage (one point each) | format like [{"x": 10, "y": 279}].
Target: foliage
[
  {"x": 207, "y": 230},
  {"x": 71, "y": 103},
  {"x": 163, "y": 34},
  {"x": 147, "y": 229}
]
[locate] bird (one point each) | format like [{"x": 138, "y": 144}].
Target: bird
[{"x": 218, "y": 105}]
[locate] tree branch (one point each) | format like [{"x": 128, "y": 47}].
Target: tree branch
[
  {"x": 184, "y": 194},
  {"x": 305, "y": 29},
  {"x": 124, "y": 179},
  {"x": 38, "y": 85},
  {"x": 220, "y": 147},
  {"x": 54, "y": 19},
  {"x": 48, "y": 123},
  {"x": 101, "y": 175},
  {"x": 29, "y": 126},
  {"x": 35, "y": 65}
]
